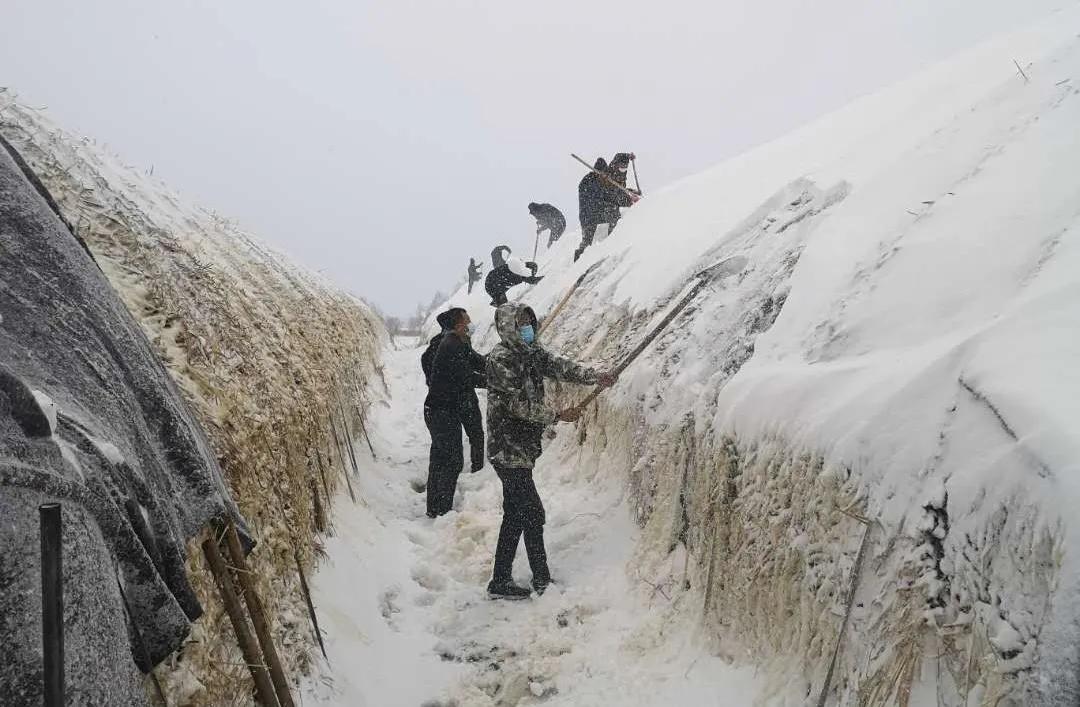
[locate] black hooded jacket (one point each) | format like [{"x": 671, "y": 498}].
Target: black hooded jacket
[
  {"x": 453, "y": 370},
  {"x": 598, "y": 199},
  {"x": 549, "y": 217},
  {"x": 502, "y": 278}
]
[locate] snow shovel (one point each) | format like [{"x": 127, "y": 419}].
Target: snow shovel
[
  {"x": 633, "y": 165},
  {"x": 728, "y": 266}
]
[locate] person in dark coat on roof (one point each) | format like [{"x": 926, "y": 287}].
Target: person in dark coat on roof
[
  {"x": 510, "y": 273},
  {"x": 474, "y": 273},
  {"x": 600, "y": 198},
  {"x": 452, "y": 370},
  {"x": 550, "y": 219}
]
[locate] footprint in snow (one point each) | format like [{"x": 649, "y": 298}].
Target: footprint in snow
[
  {"x": 429, "y": 578},
  {"x": 388, "y": 605}
]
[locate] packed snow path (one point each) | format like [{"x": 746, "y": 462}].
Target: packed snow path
[{"x": 407, "y": 621}]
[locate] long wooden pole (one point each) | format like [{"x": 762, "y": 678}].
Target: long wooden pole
[
  {"x": 258, "y": 617},
  {"x": 264, "y": 688},
  {"x": 725, "y": 267},
  {"x": 648, "y": 339},
  {"x": 607, "y": 178},
  {"x": 566, "y": 298}
]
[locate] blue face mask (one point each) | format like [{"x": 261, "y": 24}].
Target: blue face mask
[{"x": 527, "y": 334}]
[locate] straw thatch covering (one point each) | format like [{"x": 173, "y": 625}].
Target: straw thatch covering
[{"x": 266, "y": 354}]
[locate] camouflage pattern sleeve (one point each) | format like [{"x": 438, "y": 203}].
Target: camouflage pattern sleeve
[
  {"x": 511, "y": 397},
  {"x": 565, "y": 370}
]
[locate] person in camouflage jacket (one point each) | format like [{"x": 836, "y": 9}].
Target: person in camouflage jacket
[{"x": 517, "y": 416}]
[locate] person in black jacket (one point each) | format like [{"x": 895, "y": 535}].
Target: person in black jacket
[
  {"x": 474, "y": 273},
  {"x": 510, "y": 273},
  {"x": 550, "y": 219},
  {"x": 452, "y": 370},
  {"x": 599, "y": 199}
]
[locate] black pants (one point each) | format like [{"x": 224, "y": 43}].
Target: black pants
[
  {"x": 446, "y": 459},
  {"x": 588, "y": 232},
  {"x": 473, "y": 423},
  {"x": 523, "y": 513}
]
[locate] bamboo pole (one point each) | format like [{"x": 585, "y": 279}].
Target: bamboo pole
[
  {"x": 349, "y": 439},
  {"x": 341, "y": 455},
  {"x": 52, "y": 604},
  {"x": 363, "y": 428},
  {"x": 258, "y": 616},
  {"x": 264, "y": 689},
  {"x": 310, "y": 603}
]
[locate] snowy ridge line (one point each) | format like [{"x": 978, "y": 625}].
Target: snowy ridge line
[
  {"x": 829, "y": 381},
  {"x": 266, "y": 353}
]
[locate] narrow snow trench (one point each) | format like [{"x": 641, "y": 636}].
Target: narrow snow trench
[{"x": 407, "y": 621}]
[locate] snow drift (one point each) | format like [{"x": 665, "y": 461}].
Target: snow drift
[
  {"x": 867, "y": 441},
  {"x": 275, "y": 363}
]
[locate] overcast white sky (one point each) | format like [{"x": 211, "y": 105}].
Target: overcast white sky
[{"x": 383, "y": 143}]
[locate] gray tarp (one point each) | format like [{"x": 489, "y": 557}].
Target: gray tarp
[{"x": 128, "y": 462}]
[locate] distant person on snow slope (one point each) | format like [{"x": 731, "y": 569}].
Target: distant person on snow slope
[
  {"x": 517, "y": 416},
  {"x": 452, "y": 370},
  {"x": 508, "y": 274},
  {"x": 599, "y": 199},
  {"x": 550, "y": 219},
  {"x": 474, "y": 273}
]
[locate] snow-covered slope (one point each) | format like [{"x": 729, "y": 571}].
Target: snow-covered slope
[{"x": 896, "y": 363}]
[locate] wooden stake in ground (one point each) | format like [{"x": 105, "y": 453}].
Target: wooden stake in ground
[
  {"x": 1026, "y": 79},
  {"x": 853, "y": 586},
  {"x": 310, "y": 604},
  {"x": 258, "y": 617},
  {"x": 363, "y": 428},
  {"x": 264, "y": 689}
]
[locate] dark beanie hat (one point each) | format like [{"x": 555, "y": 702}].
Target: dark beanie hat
[{"x": 447, "y": 319}]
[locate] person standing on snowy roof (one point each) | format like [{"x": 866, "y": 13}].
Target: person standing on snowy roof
[
  {"x": 498, "y": 255},
  {"x": 517, "y": 417},
  {"x": 452, "y": 370},
  {"x": 474, "y": 273},
  {"x": 550, "y": 219},
  {"x": 510, "y": 273},
  {"x": 600, "y": 198}
]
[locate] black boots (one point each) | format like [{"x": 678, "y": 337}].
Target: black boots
[
  {"x": 540, "y": 584},
  {"x": 506, "y": 589}
]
